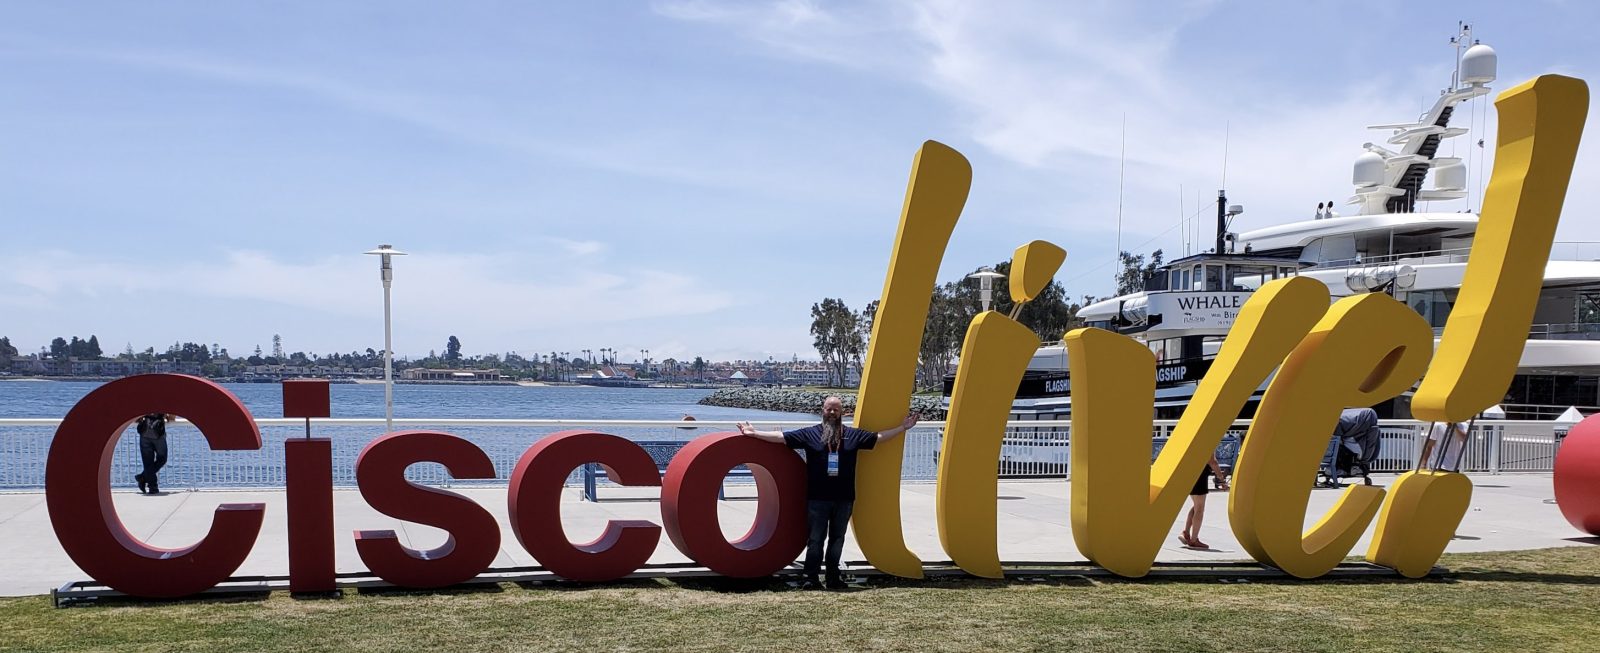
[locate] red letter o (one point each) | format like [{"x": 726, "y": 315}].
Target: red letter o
[
  {"x": 1577, "y": 476},
  {"x": 689, "y": 504}
]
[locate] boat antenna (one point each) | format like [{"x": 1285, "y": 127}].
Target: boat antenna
[
  {"x": 1183, "y": 234},
  {"x": 1227, "y": 132},
  {"x": 1222, "y": 220},
  {"x": 1121, "y": 173},
  {"x": 1463, "y": 32},
  {"x": 1222, "y": 193}
]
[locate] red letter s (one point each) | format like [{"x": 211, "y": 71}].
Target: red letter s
[{"x": 474, "y": 538}]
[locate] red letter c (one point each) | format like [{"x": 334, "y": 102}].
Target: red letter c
[
  {"x": 535, "y": 499},
  {"x": 78, "y": 487}
]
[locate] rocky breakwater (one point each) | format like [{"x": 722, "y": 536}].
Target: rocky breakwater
[{"x": 805, "y": 401}]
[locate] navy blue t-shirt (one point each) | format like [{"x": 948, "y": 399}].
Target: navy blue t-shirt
[{"x": 820, "y": 485}]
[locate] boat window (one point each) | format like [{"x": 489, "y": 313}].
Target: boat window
[
  {"x": 1213, "y": 278},
  {"x": 1433, "y": 305},
  {"x": 1339, "y": 248},
  {"x": 1587, "y": 309},
  {"x": 1176, "y": 280},
  {"x": 1248, "y": 277},
  {"x": 1184, "y": 285},
  {"x": 1159, "y": 348},
  {"x": 1330, "y": 249}
]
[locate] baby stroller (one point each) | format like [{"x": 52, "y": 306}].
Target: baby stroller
[{"x": 1353, "y": 448}]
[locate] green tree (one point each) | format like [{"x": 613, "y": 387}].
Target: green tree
[
  {"x": 1049, "y": 315},
  {"x": 452, "y": 350},
  {"x": 949, "y": 313},
  {"x": 836, "y": 333},
  {"x": 7, "y": 353},
  {"x": 869, "y": 317},
  {"x": 953, "y": 305},
  {"x": 699, "y": 368},
  {"x": 1135, "y": 270},
  {"x": 92, "y": 348},
  {"x": 59, "y": 349}
]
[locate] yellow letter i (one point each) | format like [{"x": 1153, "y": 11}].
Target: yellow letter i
[{"x": 994, "y": 354}]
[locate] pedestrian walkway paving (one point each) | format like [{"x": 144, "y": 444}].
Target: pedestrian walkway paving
[{"x": 1508, "y": 512}]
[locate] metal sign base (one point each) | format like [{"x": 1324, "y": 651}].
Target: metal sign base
[{"x": 81, "y": 592}]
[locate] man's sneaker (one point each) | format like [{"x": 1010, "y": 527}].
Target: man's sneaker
[
  {"x": 810, "y": 584},
  {"x": 154, "y": 489},
  {"x": 140, "y": 479},
  {"x": 837, "y": 584}
]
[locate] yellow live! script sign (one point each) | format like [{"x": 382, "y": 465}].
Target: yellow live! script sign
[{"x": 1355, "y": 352}]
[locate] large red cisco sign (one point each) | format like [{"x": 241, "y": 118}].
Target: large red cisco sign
[{"x": 78, "y": 493}]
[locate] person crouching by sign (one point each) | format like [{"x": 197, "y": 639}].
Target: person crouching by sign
[
  {"x": 830, "y": 480},
  {"x": 152, "y": 430}
]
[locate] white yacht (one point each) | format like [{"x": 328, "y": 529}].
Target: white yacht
[{"x": 1394, "y": 242}]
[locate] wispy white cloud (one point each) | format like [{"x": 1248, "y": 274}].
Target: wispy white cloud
[
  {"x": 579, "y": 247},
  {"x": 478, "y": 118},
  {"x": 1047, "y": 86},
  {"x": 846, "y": 35}
]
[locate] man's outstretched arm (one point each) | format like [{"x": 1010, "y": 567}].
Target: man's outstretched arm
[
  {"x": 889, "y": 434},
  {"x": 769, "y": 436}
]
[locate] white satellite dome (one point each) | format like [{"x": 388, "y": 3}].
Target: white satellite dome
[
  {"x": 1368, "y": 170},
  {"x": 1478, "y": 65}
]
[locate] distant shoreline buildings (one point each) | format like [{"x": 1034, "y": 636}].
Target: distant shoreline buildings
[{"x": 720, "y": 374}]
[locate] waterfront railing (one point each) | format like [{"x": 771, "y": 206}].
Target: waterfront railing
[{"x": 1030, "y": 449}]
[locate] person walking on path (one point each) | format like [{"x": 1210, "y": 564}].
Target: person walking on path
[
  {"x": 1190, "y": 537},
  {"x": 152, "y": 430},
  {"x": 830, "y": 480}
]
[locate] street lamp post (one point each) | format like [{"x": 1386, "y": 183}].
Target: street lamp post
[
  {"x": 986, "y": 278},
  {"x": 386, "y": 271}
]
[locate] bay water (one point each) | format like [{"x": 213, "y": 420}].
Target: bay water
[{"x": 193, "y": 465}]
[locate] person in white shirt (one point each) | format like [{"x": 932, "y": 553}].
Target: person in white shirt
[
  {"x": 1453, "y": 439},
  {"x": 1329, "y": 215},
  {"x": 1319, "y": 212}
]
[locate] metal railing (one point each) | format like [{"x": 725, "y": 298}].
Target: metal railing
[
  {"x": 1029, "y": 448},
  {"x": 1457, "y": 255},
  {"x": 1568, "y": 331},
  {"x": 1581, "y": 250}
]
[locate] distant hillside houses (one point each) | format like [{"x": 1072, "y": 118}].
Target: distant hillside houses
[
  {"x": 314, "y": 371},
  {"x": 75, "y": 367},
  {"x": 810, "y": 373}
]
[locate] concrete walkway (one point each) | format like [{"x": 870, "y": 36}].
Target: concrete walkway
[{"x": 1508, "y": 512}]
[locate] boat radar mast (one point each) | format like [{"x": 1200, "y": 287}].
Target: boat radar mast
[
  {"x": 1225, "y": 215},
  {"x": 1390, "y": 181}
]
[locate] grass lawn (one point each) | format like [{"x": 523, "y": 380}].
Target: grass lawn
[{"x": 1525, "y": 601}]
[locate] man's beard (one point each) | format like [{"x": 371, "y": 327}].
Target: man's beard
[{"x": 832, "y": 430}]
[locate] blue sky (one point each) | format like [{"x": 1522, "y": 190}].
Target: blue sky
[{"x": 686, "y": 177}]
